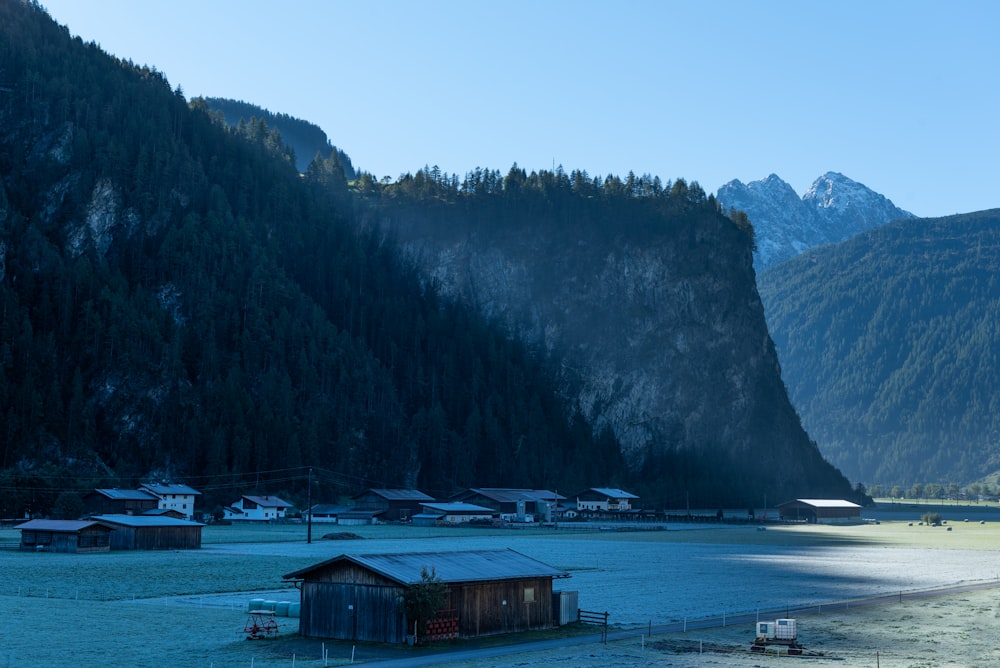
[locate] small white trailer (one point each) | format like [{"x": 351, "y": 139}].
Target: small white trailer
[{"x": 781, "y": 632}]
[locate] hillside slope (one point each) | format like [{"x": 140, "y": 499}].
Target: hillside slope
[
  {"x": 889, "y": 347},
  {"x": 646, "y": 302},
  {"x": 178, "y": 302}
]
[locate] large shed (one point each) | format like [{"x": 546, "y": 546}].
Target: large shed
[
  {"x": 820, "y": 511},
  {"x": 145, "y": 532},
  {"x": 65, "y": 536},
  {"x": 124, "y": 501},
  {"x": 393, "y": 504},
  {"x": 359, "y": 597}
]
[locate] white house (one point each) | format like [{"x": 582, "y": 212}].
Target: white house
[
  {"x": 173, "y": 497},
  {"x": 605, "y": 499},
  {"x": 257, "y": 509}
]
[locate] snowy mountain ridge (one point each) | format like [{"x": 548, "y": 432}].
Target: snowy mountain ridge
[{"x": 834, "y": 209}]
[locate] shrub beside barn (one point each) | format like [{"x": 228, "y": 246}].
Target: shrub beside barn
[{"x": 359, "y": 597}]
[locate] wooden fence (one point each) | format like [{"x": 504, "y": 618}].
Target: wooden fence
[{"x": 598, "y": 618}]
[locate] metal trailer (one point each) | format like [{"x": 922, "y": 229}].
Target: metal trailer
[{"x": 781, "y": 632}]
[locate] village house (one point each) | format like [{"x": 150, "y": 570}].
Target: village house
[
  {"x": 119, "y": 501},
  {"x": 173, "y": 497},
  {"x": 392, "y": 505},
  {"x": 77, "y": 536},
  {"x": 820, "y": 511},
  {"x": 256, "y": 509},
  {"x": 356, "y": 597},
  {"x": 604, "y": 500},
  {"x": 513, "y": 505}
]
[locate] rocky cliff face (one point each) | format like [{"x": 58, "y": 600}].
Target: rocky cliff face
[
  {"x": 660, "y": 337},
  {"x": 834, "y": 209}
]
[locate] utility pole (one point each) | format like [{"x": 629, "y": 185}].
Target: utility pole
[{"x": 309, "y": 504}]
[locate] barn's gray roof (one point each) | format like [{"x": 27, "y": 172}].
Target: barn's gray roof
[
  {"x": 145, "y": 521},
  {"x": 126, "y": 494},
  {"x": 461, "y": 508},
  {"x": 611, "y": 493},
  {"x": 449, "y": 567},
  {"x": 59, "y": 526},
  {"x": 822, "y": 503},
  {"x": 398, "y": 494},
  {"x": 163, "y": 489},
  {"x": 268, "y": 501},
  {"x": 509, "y": 495},
  {"x": 329, "y": 509}
]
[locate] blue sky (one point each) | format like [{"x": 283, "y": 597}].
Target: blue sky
[{"x": 901, "y": 96}]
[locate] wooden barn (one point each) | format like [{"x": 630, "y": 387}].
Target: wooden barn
[
  {"x": 820, "y": 511},
  {"x": 119, "y": 501},
  {"x": 359, "y": 597},
  {"x": 394, "y": 505},
  {"x": 513, "y": 504},
  {"x": 145, "y": 532},
  {"x": 65, "y": 536}
]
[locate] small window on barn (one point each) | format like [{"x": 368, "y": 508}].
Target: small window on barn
[{"x": 529, "y": 594}]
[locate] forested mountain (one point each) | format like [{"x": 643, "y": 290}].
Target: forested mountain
[
  {"x": 643, "y": 295},
  {"x": 889, "y": 347},
  {"x": 177, "y": 302},
  {"x": 834, "y": 209},
  {"x": 306, "y": 140}
]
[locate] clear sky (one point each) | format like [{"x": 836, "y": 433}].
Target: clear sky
[{"x": 903, "y": 96}]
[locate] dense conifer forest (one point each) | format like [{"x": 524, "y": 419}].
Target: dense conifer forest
[
  {"x": 179, "y": 302},
  {"x": 888, "y": 343}
]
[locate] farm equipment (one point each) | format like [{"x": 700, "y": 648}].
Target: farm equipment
[
  {"x": 780, "y": 632},
  {"x": 260, "y": 624}
]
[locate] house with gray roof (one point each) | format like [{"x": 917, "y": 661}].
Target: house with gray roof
[
  {"x": 173, "y": 496},
  {"x": 251, "y": 508},
  {"x": 605, "y": 500}
]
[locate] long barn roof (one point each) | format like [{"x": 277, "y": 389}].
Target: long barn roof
[
  {"x": 146, "y": 521},
  {"x": 449, "y": 567}
]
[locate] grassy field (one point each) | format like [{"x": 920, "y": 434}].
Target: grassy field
[{"x": 168, "y": 608}]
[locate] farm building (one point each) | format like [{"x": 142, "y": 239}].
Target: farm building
[
  {"x": 353, "y": 517},
  {"x": 65, "y": 536},
  {"x": 143, "y": 532},
  {"x": 604, "y": 500},
  {"x": 326, "y": 512},
  {"x": 513, "y": 504},
  {"x": 174, "y": 497},
  {"x": 359, "y": 597},
  {"x": 821, "y": 511},
  {"x": 119, "y": 501},
  {"x": 257, "y": 509},
  {"x": 393, "y": 504},
  {"x": 165, "y": 512},
  {"x": 452, "y": 513}
]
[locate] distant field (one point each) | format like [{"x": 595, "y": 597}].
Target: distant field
[{"x": 185, "y": 608}]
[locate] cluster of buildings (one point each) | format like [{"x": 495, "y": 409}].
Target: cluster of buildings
[
  {"x": 478, "y": 505},
  {"x": 161, "y": 516}
]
